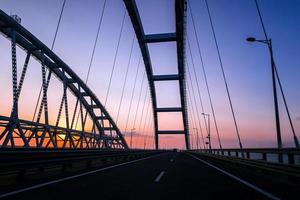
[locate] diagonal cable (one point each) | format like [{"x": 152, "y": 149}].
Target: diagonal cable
[
  {"x": 125, "y": 80},
  {"x": 115, "y": 59},
  {"x": 205, "y": 76},
  {"x": 224, "y": 76}
]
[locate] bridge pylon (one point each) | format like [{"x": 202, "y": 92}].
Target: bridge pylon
[{"x": 179, "y": 37}]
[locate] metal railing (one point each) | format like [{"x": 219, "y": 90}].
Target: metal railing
[
  {"x": 18, "y": 164},
  {"x": 285, "y": 155}
]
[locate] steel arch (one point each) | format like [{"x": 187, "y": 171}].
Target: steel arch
[
  {"x": 179, "y": 38},
  {"x": 24, "y": 39}
]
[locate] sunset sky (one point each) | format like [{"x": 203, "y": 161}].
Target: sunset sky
[{"x": 247, "y": 65}]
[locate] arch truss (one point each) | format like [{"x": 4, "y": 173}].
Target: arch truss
[
  {"x": 179, "y": 37},
  {"x": 16, "y": 132}
]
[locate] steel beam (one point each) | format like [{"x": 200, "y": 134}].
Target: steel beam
[
  {"x": 168, "y": 77},
  {"x": 167, "y": 132},
  {"x": 180, "y": 12},
  {"x": 140, "y": 34},
  {"x": 162, "y": 37},
  {"x": 170, "y": 109}
]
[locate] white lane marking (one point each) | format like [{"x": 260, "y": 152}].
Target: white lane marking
[
  {"x": 171, "y": 160},
  {"x": 271, "y": 196},
  {"x": 159, "y": 176},
  {"x": 72, "y": 177}
]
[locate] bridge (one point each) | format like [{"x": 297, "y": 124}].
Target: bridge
[{"x": 141, "y": 99}]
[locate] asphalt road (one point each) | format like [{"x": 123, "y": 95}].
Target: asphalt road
[{"x": 164, "y": 176}]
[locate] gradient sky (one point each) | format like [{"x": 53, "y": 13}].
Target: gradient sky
[{"x": 247, "y": 65}]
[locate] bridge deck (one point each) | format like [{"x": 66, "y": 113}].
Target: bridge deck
[{"x": 165, "y": 176}]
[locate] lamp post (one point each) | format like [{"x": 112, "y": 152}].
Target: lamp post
[
  {"x": 145, "y": 142},
  {"x": 208, "y": 131},
  {"x": 277, "y": 119},
  {"x": 131, "y": 136},
  {"x": 197, "y": 139}
]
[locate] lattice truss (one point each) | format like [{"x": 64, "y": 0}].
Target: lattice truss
[{"x": 83, "y": 124}]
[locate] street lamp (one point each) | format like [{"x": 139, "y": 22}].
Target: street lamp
[
  {"x": 131, "y": 136},
  {"x": 277, "y": 119},
  {"x": 197, "y": 135},
  {"x": 208, "y": 131}
]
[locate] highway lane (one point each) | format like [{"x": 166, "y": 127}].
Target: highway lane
[{"x": 166, "y": 176}]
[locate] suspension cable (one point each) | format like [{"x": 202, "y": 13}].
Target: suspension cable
[
  {"x": 115, "y": 59},
  {"x": 132, "y": 94},
  {"x": 52, "y": 46},
  {"x": 125, "y": 80},
  {"x": 195, "y": 102},
  {"x": 287, "y": 109},
  {"x": 261, "y": 20},
  {"x": 193, "y": 115},
  {"x": 224, "y": 76},
  {"x": 145, "y": 119},
  {"x": 96, "y": 41},
  {"x": 146, "y": 122},
  {"x": 205, "y": 76},
  {"x": 192, "y": 118},
  {"x": 92, "y": 55},
  {"x": 148, "y": 132},
  {"x": 193, "y": 122},
  {"x": 143, "y": 115},
  {"x": 138, "y": 105},
  {"x": 278, "y": 79},
  {"x": 197, "y": 83},
  {"x": 143, "y": 108},
  {"x": 58, "y": 23}
]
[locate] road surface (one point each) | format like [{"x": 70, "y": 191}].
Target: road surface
[{"x": 173, "y": 175}]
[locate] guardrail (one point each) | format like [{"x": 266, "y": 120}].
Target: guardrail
[
  {"x": 250, "y": 166},
  {"x": 18, "y": 164},
  {"x": 285, "y": 155}
]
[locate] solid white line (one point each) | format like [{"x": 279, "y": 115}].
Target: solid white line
[
  {"x": 271, "y": 196},
  {"x": 159, "y": 176},
  {"x": 72, "y": 177}
]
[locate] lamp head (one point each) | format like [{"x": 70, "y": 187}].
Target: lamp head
[{"x": 251, "y": 39}]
